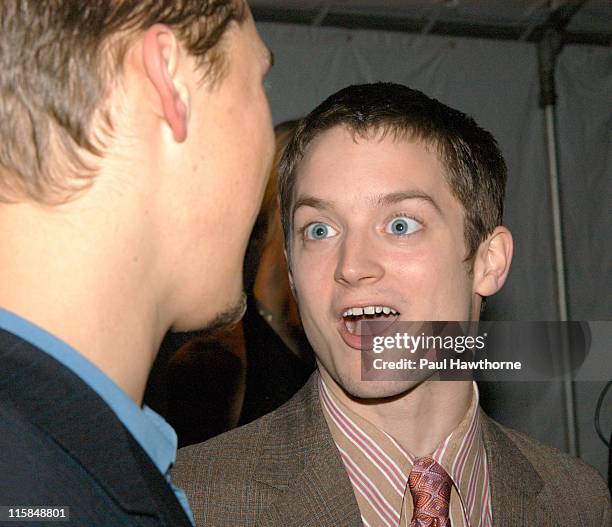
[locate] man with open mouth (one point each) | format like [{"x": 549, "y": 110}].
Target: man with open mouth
[{"x": 392, "y": 212}]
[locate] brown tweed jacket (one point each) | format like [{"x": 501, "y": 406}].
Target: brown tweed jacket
[{"x": 284, "y": 470}]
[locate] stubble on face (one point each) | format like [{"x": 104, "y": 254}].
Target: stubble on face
[
  {"x": 227, "y": 318},
  {"x": 222, "y": 321}
]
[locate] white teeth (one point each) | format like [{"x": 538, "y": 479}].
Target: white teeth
[{"x": 369, "y": 310}]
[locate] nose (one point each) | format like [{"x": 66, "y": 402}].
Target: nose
[{"x": 358, "y": 261}]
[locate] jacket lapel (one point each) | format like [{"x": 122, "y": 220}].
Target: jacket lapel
[
  {"x": 515, "y": 484},
  {"x": 300, "y": 459}
]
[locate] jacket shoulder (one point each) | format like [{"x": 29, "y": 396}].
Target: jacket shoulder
[
  {"x": 37, "y": 470},
  {"x": 237, "y": 446},
  {"x": 219, "y": 476},
  {"x": 566, "y": 479},
  {"x": 288, "y": 424}
]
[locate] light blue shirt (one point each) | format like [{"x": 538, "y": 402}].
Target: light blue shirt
[{"x": 156, "y": 437}]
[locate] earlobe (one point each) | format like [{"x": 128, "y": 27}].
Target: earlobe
[
  {"x": 492, "y": 262},
  {"x": 160, "y": 55}
]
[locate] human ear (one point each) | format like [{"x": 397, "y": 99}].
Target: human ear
[
  {"x": 160, "y": 56},
  {"x": 492, "y": 262}
]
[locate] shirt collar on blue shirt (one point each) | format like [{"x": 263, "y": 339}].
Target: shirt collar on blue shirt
[{"x": 156, "y": 437}]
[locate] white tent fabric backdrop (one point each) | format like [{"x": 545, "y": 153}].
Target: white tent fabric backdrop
[{"x": 496, "y": 82}]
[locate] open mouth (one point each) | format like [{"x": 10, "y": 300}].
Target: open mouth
[{"x": 368, "y": 320}]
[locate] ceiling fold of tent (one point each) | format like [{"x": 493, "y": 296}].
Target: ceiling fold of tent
[{"x": 497, "y": 19}]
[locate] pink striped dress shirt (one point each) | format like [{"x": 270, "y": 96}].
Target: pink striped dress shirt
[{"x": 378, "y": 467}]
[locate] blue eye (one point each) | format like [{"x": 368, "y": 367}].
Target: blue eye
[
  {"x": 402, "y": 226},
  {"x": 319, "y": 231}
]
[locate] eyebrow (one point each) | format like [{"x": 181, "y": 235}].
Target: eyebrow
[
  {"x": 382, "y": 200},
  {"x": 315, "y": 203}
]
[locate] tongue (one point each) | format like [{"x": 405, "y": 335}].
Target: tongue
[
  {"x": 363, "y": 326},
  {"x": 353, "y": 326}
]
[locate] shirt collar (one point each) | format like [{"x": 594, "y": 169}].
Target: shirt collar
[
  {"x": 463, "y": 443},
  {"x": 156, "y": 437}
]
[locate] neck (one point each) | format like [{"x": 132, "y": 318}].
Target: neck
[
  {"x": 85, "y": 285},
  {"x": 419, "y": 419}
]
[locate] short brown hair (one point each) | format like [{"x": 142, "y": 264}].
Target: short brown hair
[
  {"x": 58, "y": 59},
  {"x": 476, "y": 171}
]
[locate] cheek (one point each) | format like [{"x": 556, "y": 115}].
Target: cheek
[
  {"x": 437, "y": 259},
  {"x": 312, "y": 288},
  {"x": 421, "y": 271},
  {"x": 307, "y": 288},
  {"x": 434, "y": 283},
  {"x": 258, "y": 121}
]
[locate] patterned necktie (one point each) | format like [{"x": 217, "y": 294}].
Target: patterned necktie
[{"x": 430, "y": 487}]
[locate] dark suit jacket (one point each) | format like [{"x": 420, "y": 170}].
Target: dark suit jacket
[
  {"x": 60, "y": 444},
  {"x": 284, "y": 470}
]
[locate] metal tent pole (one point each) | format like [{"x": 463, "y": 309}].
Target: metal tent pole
[{"x": 549, "y": 48}]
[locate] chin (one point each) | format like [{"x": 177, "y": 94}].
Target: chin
[
  {"x": 228, "y": 316},
  {"x": 211, "y": 317}
]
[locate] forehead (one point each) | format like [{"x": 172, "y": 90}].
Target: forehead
[{"x": 339, "y": 165}]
